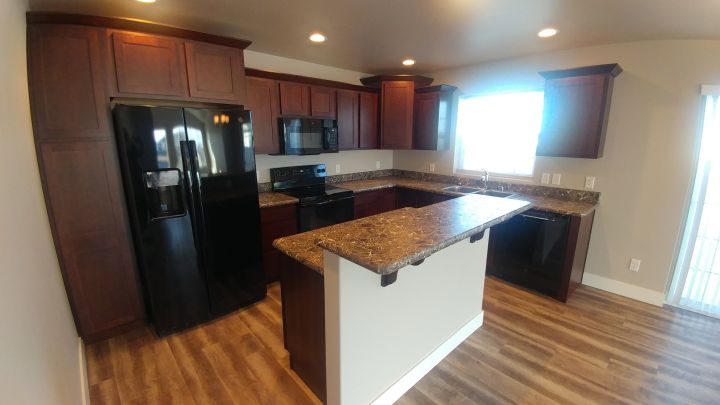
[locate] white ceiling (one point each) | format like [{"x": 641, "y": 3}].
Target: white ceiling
[{"x": 374, "y": 36}]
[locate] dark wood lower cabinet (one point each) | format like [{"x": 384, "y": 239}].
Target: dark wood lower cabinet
[
  {"x": 407, "y": 197},
  {"x": 276, "y": 222},
  {"x": 374, "y": 202},
  {"x": 303, "y": 312}
]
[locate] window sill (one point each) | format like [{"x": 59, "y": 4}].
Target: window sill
[{"x": 499, "y": 177}]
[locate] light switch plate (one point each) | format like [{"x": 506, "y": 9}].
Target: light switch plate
[
  {"x": 377, "y": 164},
  {"x": 589, "y": 182},
  {"x": 634, "y": 265},
  {"x": 432, "y": 167},
  {"x": 545, "y": 178},
  {"x": 556, "y": 179},
  {"x": 338, "y": 168}
]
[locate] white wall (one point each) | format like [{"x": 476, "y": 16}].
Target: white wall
[
  {"x": 648, "y": 163},
  {"x": 350, "y": 161},
  {"x": 38, "y": 343}
]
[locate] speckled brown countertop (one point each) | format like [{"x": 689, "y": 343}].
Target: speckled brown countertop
[
  {"x": 542, "y": 203},
  {"x": 387, "y": 242},
  {"x": 566, "y": 207},
  {"x": 270, "y": 199}
]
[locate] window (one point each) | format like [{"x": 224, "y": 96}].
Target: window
[{"x": 499, "y": 133}]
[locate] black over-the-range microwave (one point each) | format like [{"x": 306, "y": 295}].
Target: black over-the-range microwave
[{"x": 308, "y": 136}]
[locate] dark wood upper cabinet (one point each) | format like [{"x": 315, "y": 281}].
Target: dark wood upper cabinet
[
  {"x": 397, "y": 94},
  {"x": 433, "y": 110},
  {"x": 347, "y": 118},
  {"x": 149, "y": 65},
  {"x": 215, "y": 72},
  {"x": 67, "y": 82},
  {"x": 322, "y": 102},
  {"x": 577, "y": 104},
  {"x": 84, "y": 200},
  {"x": 368, "y": 121},
  {"x": 294, "y": 99},
  {"x": 396, "y": 120},
  {"x": 262, "y": 101}
]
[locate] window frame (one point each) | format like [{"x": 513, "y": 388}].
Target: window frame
[{"x": 498, "y": 176}]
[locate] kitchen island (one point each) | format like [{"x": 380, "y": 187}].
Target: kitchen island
[{"x": 371, "y": 305}]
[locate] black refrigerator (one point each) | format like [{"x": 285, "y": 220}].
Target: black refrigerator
[{"x": 191, "y": 190}]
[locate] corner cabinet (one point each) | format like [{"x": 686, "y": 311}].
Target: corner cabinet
[
  {"x": 575, "y": 115},
  {"x": 433, "y": 114},
  {"x": 81, "y": 178},
  {"x": 397, "y": 96}
]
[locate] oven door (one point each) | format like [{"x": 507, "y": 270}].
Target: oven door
[{"x": 324, "y": 213}]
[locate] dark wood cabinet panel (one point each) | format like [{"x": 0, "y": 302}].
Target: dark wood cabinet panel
[
  {"x": 406, "y": 197},
  {"x": 322, "y": 102},
  {"x": 262, "y": 101},
  {"x": 67, "y": 82},
  {"x": 276, "y": 222},
  {"x": 347, "y": 118},
  {"x": 215, "y": 72},
  {"x": 397, "y": 114},
  {"x": 91, "y": 234},
  {"x": 368, "y": 121},
  {"x": 303, "y": 314},
  {"x": 149, "y": 65},
  {"x": 374, "y": 202},
  {"x": 577, "y": 104},
  {"x": 294, "y": 99},
  {"x": 432, "y": 112}
]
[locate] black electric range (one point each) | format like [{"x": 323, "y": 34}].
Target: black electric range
[{"x": 320, "y": 204}]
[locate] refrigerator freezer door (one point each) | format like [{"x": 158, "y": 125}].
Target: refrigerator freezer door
[
  {"x": 157, "y": 190},
  {"x": 221, "y": 141}
]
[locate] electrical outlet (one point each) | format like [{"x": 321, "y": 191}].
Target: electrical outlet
[
  {"x": 377, "y": 164},
  {"x": 432, "y": 167},
  {"x": 556, "y": 178},
  {"x": 589, "y": 182},
  {"x": 545, "y": 178},
  {"x": 634, "y": 265},
  {"x": 338, "y": 168}
]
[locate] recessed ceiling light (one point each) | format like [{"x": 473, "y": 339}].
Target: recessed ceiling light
[
  {"x": 146, "y": 1},
  {"x": 408, "y": 62},
  {"x": 317, "y": 37},
  {"x": 547, "y": 32}
]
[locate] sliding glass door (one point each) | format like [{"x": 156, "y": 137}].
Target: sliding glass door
[{"x": 696, "y": 284}]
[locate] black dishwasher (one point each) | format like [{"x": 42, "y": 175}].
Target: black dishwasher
[{"x": 529, "y": 250}]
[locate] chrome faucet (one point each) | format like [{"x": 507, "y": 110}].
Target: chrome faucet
[{"x": 485, "y": 177}]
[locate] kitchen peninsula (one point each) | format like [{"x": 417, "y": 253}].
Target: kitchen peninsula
[{"x": 411, "y": 280}]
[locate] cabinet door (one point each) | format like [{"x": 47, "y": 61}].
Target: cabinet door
[
  {"x": 397, "y": 114},
  {"x": 91, "y": 233},
  {"x": 149, "y": 65},
  {"x": 322, "y": 102},
  {"x": 294, "y": 99},
  {"x": 425, "y": 112},
  {"x": 276, "y": 223},
  {"x": 574, "y": 117},
  {"x": 262, "y": 101},
  {"x": 347, "y": 118},
  {"x": 368, "y": 122},
  {"x": 66, "y": 78},
  {"x": 215, "y": 72}
]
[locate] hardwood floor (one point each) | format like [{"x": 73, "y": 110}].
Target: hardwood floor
[{"x": 598, "y": 348}]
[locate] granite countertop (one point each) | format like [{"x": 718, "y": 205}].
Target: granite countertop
[
  {"x": 387, "y": 242},
  {"x": 271, "y": 199}
]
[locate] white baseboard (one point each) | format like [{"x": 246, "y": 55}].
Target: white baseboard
[
  {"x": 407, "y": 381},
  {"x": 626, "y": 290},
  {"x": 84, "y": 388}
]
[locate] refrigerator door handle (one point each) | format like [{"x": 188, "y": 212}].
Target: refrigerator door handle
[{"x": 197, "y": 193}]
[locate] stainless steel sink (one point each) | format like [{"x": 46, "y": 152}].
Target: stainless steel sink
[
  {"x": 462, "y": 189},
  {"x": 476, "y": 190},
  {"x": 494, "y": 193}
]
